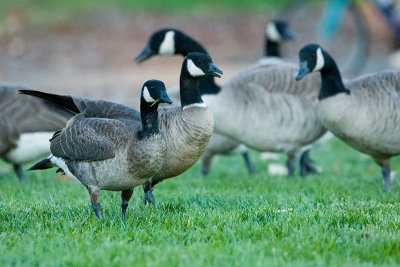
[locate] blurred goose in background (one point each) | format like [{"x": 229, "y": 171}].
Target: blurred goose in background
[
  {"x": 364, "y": 112},
  {"x": 170, "y": 42},
  {"x": 272, "y": 113},
  {"x": 26, "y": 124},
  {"x": 115, "y": 153},
  {"x": 187, "y": 128}
]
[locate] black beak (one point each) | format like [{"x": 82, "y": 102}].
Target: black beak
[
  {"x": 288, "y": 34},
  {"x": 165, "y": 98},
  {"x": 303, "y": 71},
  {"x": 145, "y": 54},
  {"x": 214, "y": 71}
]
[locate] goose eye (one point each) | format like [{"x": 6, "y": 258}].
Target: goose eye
[{"x": 198, "y": 61}]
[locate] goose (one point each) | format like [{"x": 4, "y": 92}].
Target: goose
[
  {"x": 187, "y": 128},
  {"x": 272, "y": 112},
  {"x": 363, "y": 112},
  {"x": 26, "y": 125},
  {"x": 116, "y": 153},
  {"x": 276, "y": 32},
  {"x": 172, "y": 41}
]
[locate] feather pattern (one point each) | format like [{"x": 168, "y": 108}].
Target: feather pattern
[
  {"x": 272, "y": 112},
  {"x": 369, "y": 117}
]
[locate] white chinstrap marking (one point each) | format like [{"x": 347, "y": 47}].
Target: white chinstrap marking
[
  {"x": 147, "y": 96},
  {"x": 167, "y": 46},
  {"x": 61, "y": 163},
  {"x": 193, "y": 69},
  {"x": 272, "y": 32},
  {"x": 320, "y": 60},
  {"x": 199, "y": 105},
  {"x": 30, "y": 146}
]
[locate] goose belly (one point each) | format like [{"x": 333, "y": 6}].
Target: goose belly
[
  {"x": 30, "y": 146},
  {"x": 281, "y": 129},
  {"x": 221, "y": 144},
  {"x": 110, "y": 174},
  {"x": 371, "y": 132}
]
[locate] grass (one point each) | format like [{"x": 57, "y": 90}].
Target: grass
[{"x": 342, "y": 217}]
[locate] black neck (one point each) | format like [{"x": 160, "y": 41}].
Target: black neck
[
  {"x": 189, "y": 89},
  {"x": 184, "y": 45},
  {"x": 332, "y": 83},
  {"x": 149, "y": 116},
  {"x": 272, "y": 48}
]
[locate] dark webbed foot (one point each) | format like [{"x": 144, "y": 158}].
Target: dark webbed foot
[
  {"x": 307, "y": 165},
  {"x": 20, "y": 173},
  {"x": 149, "y": 198},
  {"x": 97, "y": 210},
  {"x": 249, "y": 163}
]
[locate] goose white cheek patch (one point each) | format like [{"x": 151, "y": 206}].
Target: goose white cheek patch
[
  {"x": 272, "y": 32},
  {"x": 193, "y": 69},
  {"x": 147, "y": 96},
  {"x": 167, "y": 46},
  {"x": 320, "y": 60}
]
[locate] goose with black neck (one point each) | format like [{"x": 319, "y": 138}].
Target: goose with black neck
[{"x": 363, "y": 112}]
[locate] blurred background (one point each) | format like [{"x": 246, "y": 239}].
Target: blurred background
[{"x": 86, "y": 48}]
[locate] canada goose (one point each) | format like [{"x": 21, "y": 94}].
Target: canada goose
[
  {"x": 272, "y": 112},
  {"x": 170, "y": 42},
  {"x": 363, "y": 113},
  {"x": 115, "y": 153},
  {"x": 276, "y": 32},
  {"x": 26, "y": 125},
  {"x": 187, "y": 128}
]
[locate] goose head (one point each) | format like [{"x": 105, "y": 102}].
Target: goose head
[
  {"x": 279, "y": 30},
  {"x": 161, "y": 42},
  {"x": 154, "y": 93},
  {"x": 312, "y": 59},
  {"x": 198, "y": 64}
]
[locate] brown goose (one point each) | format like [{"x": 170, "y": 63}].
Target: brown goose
[
  {"x": 363, "y": 113},
  {"x": 26, "y": 124},
  {"x": 187, "y": 128},
  {"x": 115, "y": 153},
  {"x": 272, "y": 112}
]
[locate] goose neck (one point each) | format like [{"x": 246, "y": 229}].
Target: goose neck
[
  {"x": 189, "y": 90},
  {"x": 332, "y": 83},
  {"x": 149, "y": 117},
  {"x": 272, "y": 48}
]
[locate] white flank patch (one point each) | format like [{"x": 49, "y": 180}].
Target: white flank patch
[
  {"x": 30, "y": 146},
  {"x": 272, "y": 32},
  {"x": 277, "y": 169},
  {"x": 61, "y": 163},
  {"x": 167, "y": 46},
  {"x": 193, "y": 69},
  {"x": 320, "y": 60},
  {"x": 147, "y": 96},
  {"x": 199, "y": 105}
]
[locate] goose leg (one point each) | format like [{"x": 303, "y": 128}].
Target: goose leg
[
  {"x": 206, "y": 161},
  {"x": 307, "y": 164},
  {"x": 20, "y": 173},
  {"x": 291, "y": 164},
  {"x": 148, "y": 193},
  {"x": 386, "y": 173},
  {"x": 249, "y": 164},
  {"x": 125, "y": 197},
  {"x": 94, "y": 199}
]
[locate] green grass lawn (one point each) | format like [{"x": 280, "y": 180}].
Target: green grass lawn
[{"x": 340, "y": 218}]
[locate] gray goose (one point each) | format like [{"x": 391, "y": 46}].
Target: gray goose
[
  {"x": 283, "y": 112},
  {"x": 187, "y": 128},
  {"x": 363, "y": 112},
  {"x": 26, "y": 124},
  {"x": 116, "y": 153},
  {"x": 172, "y": 41}
]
